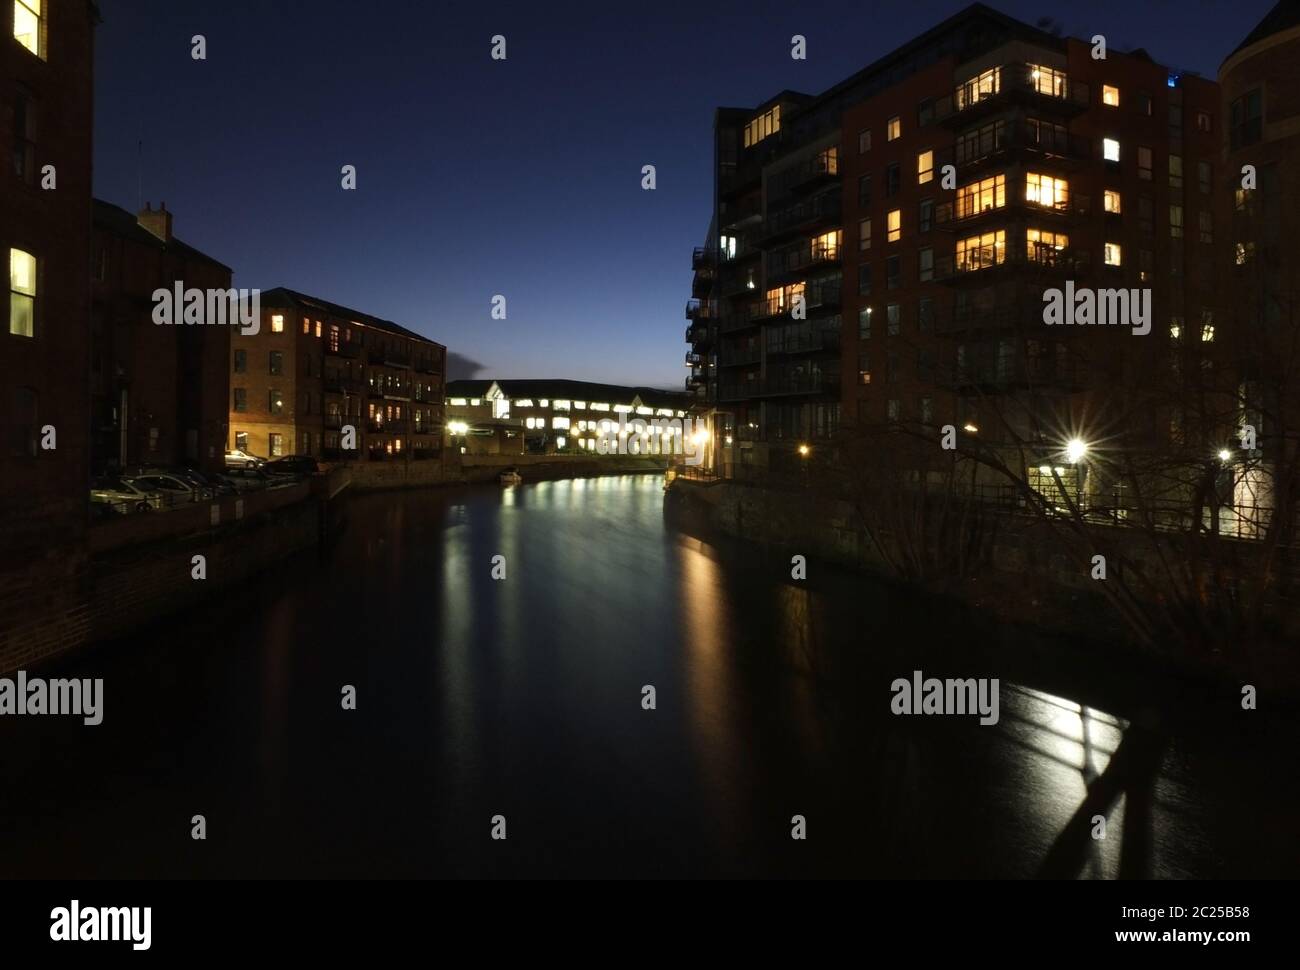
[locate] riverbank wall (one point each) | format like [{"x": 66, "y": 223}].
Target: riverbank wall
[{"x": 471, "y": 469}]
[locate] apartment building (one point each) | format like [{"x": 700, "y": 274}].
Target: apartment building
[
  {"x": 46, "y": 120},
  {"x": 547, "y": 417},
  {"x": 883, "y": 248},
  {"x": 158, "y": 393},
  {"x": 316, "y": 371}
]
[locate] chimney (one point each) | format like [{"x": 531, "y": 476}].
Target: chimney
[{"x": 157, "y": 222}]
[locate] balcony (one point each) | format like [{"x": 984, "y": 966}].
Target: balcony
[
  {"x": 810, "y": 382},
  {"x": 694, "y": 359},
  {"x": 961, "y": 215},
  {"x": 698, "y": 310},
  {"x": 802, "y": 261},
  {"x": 335, "y": 384},
  {"x": 732, "y": 216},
  {"x": 821, "y": 212},
  {"x": 426, "y": 365},
  {"x": 969, "y": 319},
  {"x": 982, "y": 265},
  {"x": 739, "y": 356},
  {"x": 704, "y": 259},
  {"x": 336, "y": 422},
  {"x": 701, "y": 286},
  {"x": 812, "y": 173},
  {"x": 394, "y": 426},
  {"x": 812, "y": 342},
  {"x": 996, "y": 144},
  {"x": 698, "y": 334},
  {"x": 1014, "y": 85},
  {"x": 390, "y": 358}
]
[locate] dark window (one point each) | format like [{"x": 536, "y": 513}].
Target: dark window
[
  {"x": 241, "y": 361},
  {"x": 925, "y": 315},
  {"x": 277, "y": 362},
  {"x": 925, "y": 112},
  {"x": 864, "y": 191},
  {"x": 25, "y": 425},
  {"x": 864, "y": 280},
  {"x": 241, "y": 399},
  {"x": 893, "y": 275},
  {"x": 926, "y": 220},
  {"x": 1246, "y": 117},
  {"x": 25, "y": 138},
  {"x": 892, "y": 175}
]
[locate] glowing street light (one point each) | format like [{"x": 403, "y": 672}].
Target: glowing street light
[
  {"x": 1075, "y": 449},
  {"x": 457, "y": 427},
  {"x": 803, "y": 451},
  {"x": 1225, "y": 455}
]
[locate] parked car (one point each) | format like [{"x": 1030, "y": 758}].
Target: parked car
[
  {"x": 177, "y": 484},
  {"x": 246, "y": 478},
  {"x": 206, "y": 486},
  {"x": 295, "y": 465},
  {"x": 124, "y": 495},
  {"x": 238, "y": 458}
]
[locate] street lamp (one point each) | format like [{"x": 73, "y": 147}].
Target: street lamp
[
  {"x": 1225, "y": 455},
  {"x": 1075, "y": 449}
]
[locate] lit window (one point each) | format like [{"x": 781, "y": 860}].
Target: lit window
[
  {"x": 1176, "y": 329},
  {"x": 1207, "y": 333},
  {"x": 1044, "y": 247},
  {"x": 1112, "y": 254},
  {"x": 22, "y": 293},
  {"x": 895, "y": 225},
  {"x": 1110, "y": 95},
  {"x": 989, "y": 193},
  {"x": 766, "y": 124},
  {"x": 318, "y": 328},
  {"x": 980, "y": 87},
  {"x": 864, "y": 234},
  {"x": 524, "y": 402},
  {"x": 924, "y": 167},
  {"x": 827, "y": 245},
  {"x": 306, "y": 325},
  {"x": 1110, "y": 150},
  {"x": 1044, "y": 80},
  {"x": 1111, "y": 201},
  {"x": 893, "y": 128},
  {"x": 27, "y": 25},
  {"x": 559, "y": 422},
  {"x": 277, "y": 323},
  {"x": 981, "y": 252},
  {"x": 1047, "y": 191}
]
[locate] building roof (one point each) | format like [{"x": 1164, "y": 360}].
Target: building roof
[
  {"x": 1284, "y": 16},
  {"x": 566, "y": 390},
  {"x": 115, "y": 219},
  {"x": 282, "y": 296}
]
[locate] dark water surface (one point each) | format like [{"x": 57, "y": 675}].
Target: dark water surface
[{"x": 522, "y": 697}]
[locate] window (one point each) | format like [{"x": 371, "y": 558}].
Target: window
[
  {"x": 1243, "y": 253},
  {"x": 1111, "y": 201},
  {"x": 1144, "y": 104},
  {"x": 864, "y": 323},
  {"x": 893, "y": 276},
  {"x": 927, "y": 410},
  {"x": 925, "y": 315},
  {"x": 1206, "y": 225},
  {"x": 276, "y": 441},
  {"x": 925, "y": 265},
  {"x": 864, "y": 235},
  {"x": 241, "y": 399},
  {"x": 864, "y": 368},
  {"x": 891, "y": 368},
  {"x": 981, "y": 252},
  {"x": 27, "y": 25},
  {"x": 1110, "y": 95},
  {"x": 1207, "y": 326},
  {"x": 1112, "y": 254},
  {"x": 317, "y": 328},
  {"x": 864, "y": 279},
  {"x": 891, "y": 179},
  {"x": 989, "y": 193},
  {"x": 275, "y": 402},
  {"x": 1146, "y": 265},
  {"x": 1044, "y": 190},
  {"x": 768, "y": 123},
  {"x": 924, "y": 167},
  {"x": 1175, "y": 328},
  {"x": 333, "y": 343},
  {"x": 893, "y": 319},
  {"x": 1144, "y": 163},
  {"x": 979, "y": 87},
  {"x": 894, "y": 225},
  {"x": 306, "y": 326},
  {"x": 1176, "y": 221},
  {"x": 925, "y": 112},
  {"x": 925, "y": 216},
  {"x": 22, "y": 293},
  {"x": 1176, "y": 172},
  {"x": 1244, "y": 201},
  {"x": 893, "y": 409},
  {"x": 25, "y": 138},
  {"x": 1202, "y": 121},
  {"x": 1146, "y": 214},
  {"x": 1045, "y": 80},
  {"x": 1045, "y": 247},
  {"x": 1246, "y": 118},
  {"x": 241, "y": 441},
  {"x": 1205, "y": 177},
  {"x": 1110, "y": 149},
  {"x": 241, "y": 361},
  {"x": 25, "y": 424},
  {"x": 825, "y": 246},
  {"x": 893, "y": 128},
  {"x": 974, "y": 145},
  {"x": 864, "y": 191},
  {"x": 277, "y": 362},
  {"x": 864, "y": 141}
]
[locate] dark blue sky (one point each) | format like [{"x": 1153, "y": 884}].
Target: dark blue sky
[{"x": 478, "y": 177}]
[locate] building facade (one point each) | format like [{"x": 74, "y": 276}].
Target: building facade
[
  {"x": 46, "y": 120},
  {"x": 158, "y": 393},
  {"x": 548, "y": 417},
  {"x": 882, "y": 249},
  {"x": 324, "y": 380}
]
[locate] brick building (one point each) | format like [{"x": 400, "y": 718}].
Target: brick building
[
  {"x": 316, "y": 368},
  {"x": 46, "y": 120},
  {"x": 853, "y": 285},
  {"x": 158, "y": 393}
]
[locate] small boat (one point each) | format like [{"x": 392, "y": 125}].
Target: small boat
[{"x": 511, "y": 476}]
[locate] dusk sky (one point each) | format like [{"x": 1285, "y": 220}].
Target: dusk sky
[{"x": 478, "y": 177}]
